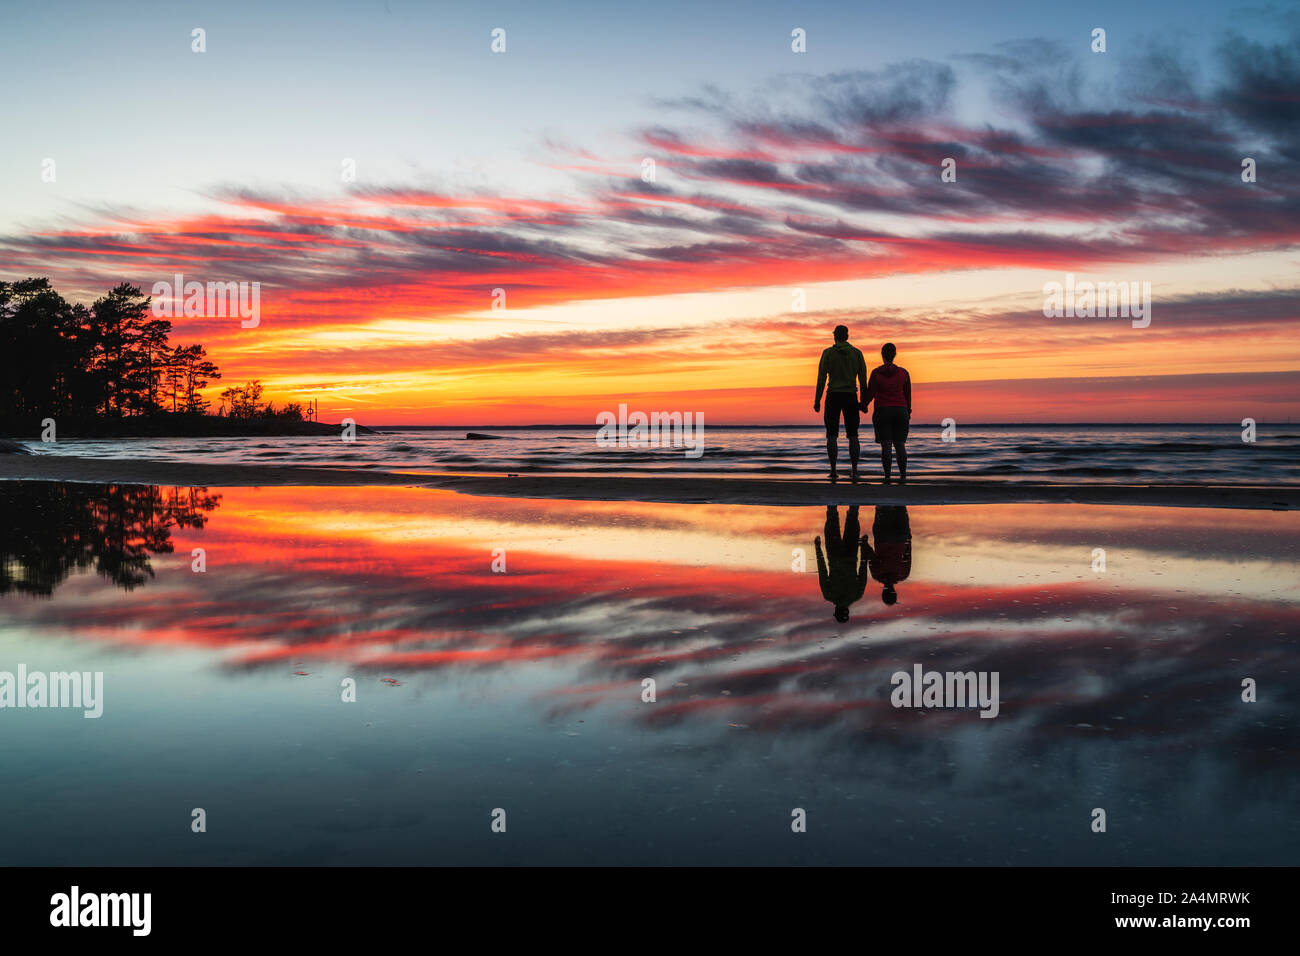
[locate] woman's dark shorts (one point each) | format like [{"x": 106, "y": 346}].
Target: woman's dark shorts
[{"x": 890, "y": 424}]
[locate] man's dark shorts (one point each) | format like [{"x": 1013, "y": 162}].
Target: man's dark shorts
[
  {"x": 890, "y": 424},
  {"x": 837, "y": 403}
]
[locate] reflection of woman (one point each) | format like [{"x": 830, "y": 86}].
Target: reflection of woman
[
  {"x": 845, "y": 581},
  {"x": 891, "y": 561}
]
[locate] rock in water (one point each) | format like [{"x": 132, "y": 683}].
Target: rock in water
[
  {"x": 8, "y": 447},
  {"x": 477, "y": 436}
]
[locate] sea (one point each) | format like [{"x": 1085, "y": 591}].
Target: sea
[{"x": 1203, "y": 453}]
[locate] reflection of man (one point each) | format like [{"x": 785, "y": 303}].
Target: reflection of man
[
  {"x": 891, "y": 561},
  {"x": 845, "y": 581}
]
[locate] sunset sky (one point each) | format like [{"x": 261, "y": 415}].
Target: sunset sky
[{"x": 778, "y": 176}]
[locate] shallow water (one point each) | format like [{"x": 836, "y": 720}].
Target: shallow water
[
  {"x": 521, "y": 689},
  {"x": 1067, "y": 453}
]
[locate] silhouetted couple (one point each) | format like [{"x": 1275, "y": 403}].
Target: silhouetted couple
[
  {"x": 844, "y": 578},
  {"x": 890, "y": 387}
]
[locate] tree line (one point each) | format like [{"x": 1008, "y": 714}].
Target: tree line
[{"x": 113, "y": 359}]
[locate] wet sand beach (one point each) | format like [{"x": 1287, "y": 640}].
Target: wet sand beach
[{"x": 499, "y": 648}]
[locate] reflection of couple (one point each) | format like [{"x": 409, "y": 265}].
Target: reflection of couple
[
  {"x": 843, "y": 368},
  {"x": 845, "y": 580}
]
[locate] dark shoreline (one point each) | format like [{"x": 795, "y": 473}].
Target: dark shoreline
[{"x": 659, "y": 488}]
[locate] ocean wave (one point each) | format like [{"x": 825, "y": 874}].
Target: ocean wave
[
  {"x": 1116, "y": 447},
  {"x": 1207, "y": 453}
]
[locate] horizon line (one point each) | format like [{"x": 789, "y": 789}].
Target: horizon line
[{"x": 819, "y": 426}]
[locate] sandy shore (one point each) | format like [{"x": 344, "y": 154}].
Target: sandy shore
[{"x": 754, "y": 491}]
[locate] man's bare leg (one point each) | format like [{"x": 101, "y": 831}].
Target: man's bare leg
[{"x": 855, "y": 452}]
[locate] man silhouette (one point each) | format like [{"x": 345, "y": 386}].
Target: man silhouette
[
  {"x": 844, "y": 368},
  {"x": 891, "y": 388},
  {"x": 845, "y": 581}
]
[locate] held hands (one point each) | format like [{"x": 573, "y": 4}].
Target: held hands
[{"x": 817, "y": 405}]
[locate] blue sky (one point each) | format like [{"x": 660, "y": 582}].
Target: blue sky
[{"x": 113, "y": 93}]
